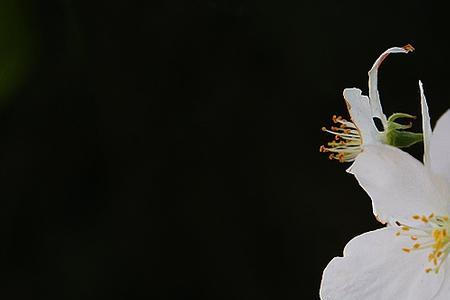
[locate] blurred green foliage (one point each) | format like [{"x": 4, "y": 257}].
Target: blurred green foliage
[{"x": 15, "y": 46}]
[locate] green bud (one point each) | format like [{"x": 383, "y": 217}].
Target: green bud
[
  {"x": 397, "y": 136},
  {"x": 403, "y": 139}
]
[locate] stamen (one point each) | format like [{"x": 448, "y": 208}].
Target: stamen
[
  {"x": 433, "y": 231},
  {"x": 347, "y": 140}
]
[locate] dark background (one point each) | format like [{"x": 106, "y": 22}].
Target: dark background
[{"x": 169, "y": 149}]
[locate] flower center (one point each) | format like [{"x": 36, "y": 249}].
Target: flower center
[
  {"x": 432, "y": 234},
  {"x": 347, "y": 140}
]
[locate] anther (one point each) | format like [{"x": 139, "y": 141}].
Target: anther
[
  {"x": 408, "y": 48},
  {"x": 435, "y": 230},
  {"x": 346, "y": 144}
]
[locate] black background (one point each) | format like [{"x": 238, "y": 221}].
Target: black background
[{"x": 169, "y": 149}]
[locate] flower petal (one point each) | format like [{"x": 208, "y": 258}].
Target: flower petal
[
  {"x": 399, "y": 185},
  {"x": 426, "y": 126},
  {"x": 375, "y": 267},
  {"x": 361, "y": 114},
  {"x": 374, "y": 96},
  {"x": 444, "y": 291},
  {"x": 440, "y": 147}
]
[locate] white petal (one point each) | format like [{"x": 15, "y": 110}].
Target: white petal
[
  {"x": 399, "y": 185},
  {"x": 374, "y": 96},
  {"x": 426, "y": 126},
  {"x": 361, "y": 114},
  {"x": 444, "y": 291},
  {"x": 374, "y": 267},
  {"x": 440, "y": 147}
]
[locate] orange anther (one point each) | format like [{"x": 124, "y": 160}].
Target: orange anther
[{"x": 408, "y": 48}]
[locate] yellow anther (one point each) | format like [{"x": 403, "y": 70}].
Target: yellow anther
[{"x": 436, "y": 235}]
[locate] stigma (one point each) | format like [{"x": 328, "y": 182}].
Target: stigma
[
  {"x": 432, "y": 235},
  {"x": 347, "y": 143}
]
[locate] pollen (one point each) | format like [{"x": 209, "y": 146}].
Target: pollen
[
  {"x": 432, "y": 231},
  {"x": 347, "y": 141}
]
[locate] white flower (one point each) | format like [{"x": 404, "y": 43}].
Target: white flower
[
  {"x": 408, "y": 258},
  {"x": 350, "y": 136}
]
